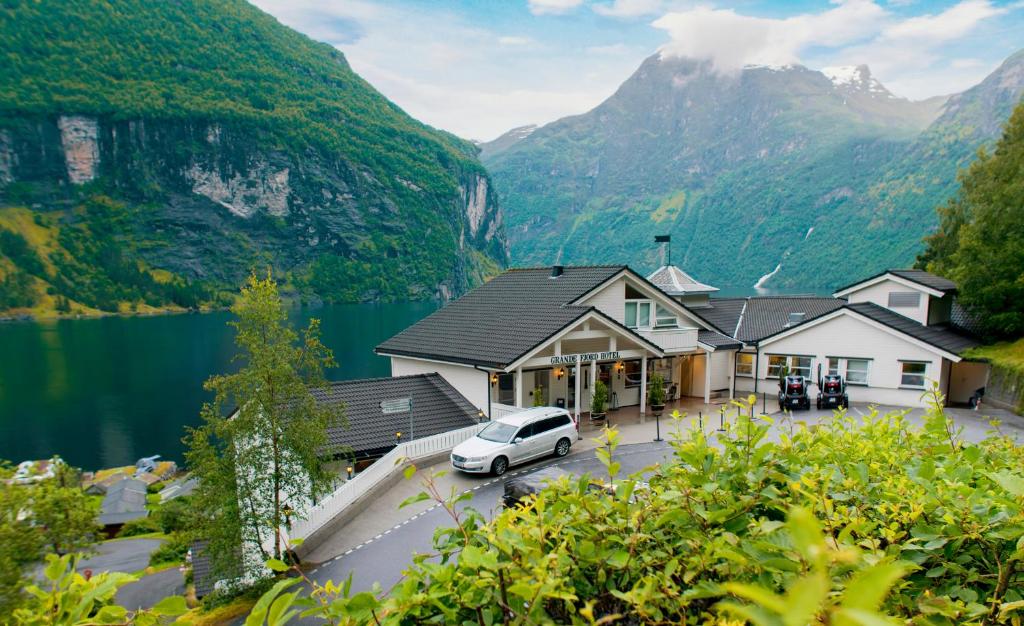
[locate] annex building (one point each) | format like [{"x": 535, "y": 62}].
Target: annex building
[{"x": 556, "y": 330}]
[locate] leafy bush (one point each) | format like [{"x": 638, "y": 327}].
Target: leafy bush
[
  {"x": 171, "y": 551},
  {"x": 845, "y": 523},
  {"x": 599, "y": 401},
  {"x": 141, "y": 526},
  {"x": 177, "y": 515}
]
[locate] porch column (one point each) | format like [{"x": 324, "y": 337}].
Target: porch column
[
  {"x": 519, "y": 387},
  {"x": 643, "y": 384},
  {"x": 593, "y": 379},
  {"x": 707, "y": 377},
  {"x": 732, "y": 378},
  {"x": 578, "y": 399}
]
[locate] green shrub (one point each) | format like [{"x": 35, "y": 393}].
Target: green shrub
[
  {"x": 656, "y": 390},
  {"x": 171, "y": 551},
  {"x": 141, "y": 526},
  {"x": 853, "y": 522},
  {"x": 177, "y": 515},
  {"x": 599, "y": 401}
]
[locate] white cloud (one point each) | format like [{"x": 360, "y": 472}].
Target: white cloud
[
  {"x": 732, "y": 40},
  {"x": 906, "y": 53},
  {"x": 629, "y": 8},
  {"x": 552, "y": 7}
]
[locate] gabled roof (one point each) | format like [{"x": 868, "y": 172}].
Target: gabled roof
[
  {"x": 125, "y": 501},
  {"x": 918, "y": 277},
  {"x": 502, "y": 320},
  {"x": 940, "y": 336},
  {"x": 753, "y": 318},
  {"x": 436, "y": 408},
  {"x": 676, "y": 282}
]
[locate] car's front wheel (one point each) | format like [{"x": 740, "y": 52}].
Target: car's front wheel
[
  {"x": 562, "y": 447},
  {"x": 499, "y": 466}
]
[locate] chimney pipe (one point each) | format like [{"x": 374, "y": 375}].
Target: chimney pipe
[{"x": 556, "y": 271}]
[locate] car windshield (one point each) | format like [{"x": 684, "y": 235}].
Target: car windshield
[{"x": 497, "y": 431}]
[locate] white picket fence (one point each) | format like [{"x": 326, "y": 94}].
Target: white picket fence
[
  {"x": 501, "y": 410},
  {"x": 382, "y": 470}
]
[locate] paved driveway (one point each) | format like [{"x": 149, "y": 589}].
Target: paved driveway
[{"x": 149, "y": 590}]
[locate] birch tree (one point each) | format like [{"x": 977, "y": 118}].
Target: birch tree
[{"x": 261, "y": 448}]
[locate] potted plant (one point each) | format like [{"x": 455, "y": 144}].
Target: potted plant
[
  {"x": 599, "y": 401},
  {"x": 656, "y": 393},
  {"x": 538, "y": 396}
]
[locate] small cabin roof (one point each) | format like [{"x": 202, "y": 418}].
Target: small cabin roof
[{"x": 676, "y": 282}]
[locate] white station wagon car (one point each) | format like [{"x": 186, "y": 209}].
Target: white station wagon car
[{"x": 515, "y": 439}]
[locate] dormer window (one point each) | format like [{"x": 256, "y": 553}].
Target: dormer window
[{"x": 796, "y": 318}]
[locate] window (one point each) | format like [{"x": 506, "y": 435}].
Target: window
[
  {"x": 545, "y": 425},
  {"x": 798, "y": 365},
  {"x": 913, "y": 374},
  {"x": 744, "y": 364},
  {"x": 632, "y": 373},
  {"x": 904, "y": 299},
  {"x": 665, "y": 318},
  {"x": 638, "y": 313},
  {"x": 507, "y": 389},
  {"x": 833, "y": 366},
  {"x": 526, "y": 431},
  {"x": 857, "y": 371}
]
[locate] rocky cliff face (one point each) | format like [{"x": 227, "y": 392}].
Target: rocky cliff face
[
  {"x": 213, "y": 203},
  {"x": 172, "y": 147}
]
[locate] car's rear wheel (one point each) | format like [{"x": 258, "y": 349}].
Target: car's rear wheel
[
  {"x": 499, "y": 466},
  {"x": 562, "y": 447}
]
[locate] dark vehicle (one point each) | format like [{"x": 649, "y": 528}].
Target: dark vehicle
[
  {"x": 793, "y": 393},
  {"x": 518, "y": 489},
  {"x": 975, "y": 400},
  {"x": 832, "y": 392}
]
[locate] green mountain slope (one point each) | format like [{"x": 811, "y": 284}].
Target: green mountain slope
[
  {"x": 762, "y": 169},
  {"x": 220, "y": 140}
]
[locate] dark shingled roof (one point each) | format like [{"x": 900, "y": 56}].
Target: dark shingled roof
[
  {"x": 960, "y": 317},
  {"x": 436, "y": 408},
  {"x": 717, "y": 340},
  {"x": 498, "y": 322},
  {"x": 202, "y": 571},
  {"x": 767, "y": 315},
  {"x": 758, "y": 317},
  {"x": 942, "y": 337},
  {"x": 921, "y": 277},
  {"x": 927, "y": 279},
  {"x": 722, "y": 313}
]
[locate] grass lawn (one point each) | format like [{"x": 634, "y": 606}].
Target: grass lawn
[{"x": 1008, "y": 355}]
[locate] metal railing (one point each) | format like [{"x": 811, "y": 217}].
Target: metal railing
[{"x": 383, "y": 469}]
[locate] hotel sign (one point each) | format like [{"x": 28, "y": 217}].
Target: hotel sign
[{"x": 586, "y": 357}]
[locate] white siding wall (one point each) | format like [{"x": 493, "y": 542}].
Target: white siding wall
[
  {"x": 721, "y": 372},
  {"x": 611, "y": 300},
  {"x": 697, "y": 375},
  {"x": 470, "y": 382},
  {"x": 845, "y": 336},
  {"x": 879, "y": 294},
  {"x": 965, "y": 379}
]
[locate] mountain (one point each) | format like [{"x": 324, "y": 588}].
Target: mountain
[
  {"x": 785, "y": 169},
  {"x": 151, "y": 154},
  {"x": 505, "y": 141}
]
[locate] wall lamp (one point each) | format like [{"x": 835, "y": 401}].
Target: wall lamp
[
  {"x": 494, "y": 379},
  {"x": 559, "y": 372},
  {"x": 619, "y": 367}
]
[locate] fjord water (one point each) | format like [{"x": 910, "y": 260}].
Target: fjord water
[{"x": 104, "y": 392}]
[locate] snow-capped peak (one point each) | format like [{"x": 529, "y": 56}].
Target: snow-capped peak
[{"x": 855, "y": 78}]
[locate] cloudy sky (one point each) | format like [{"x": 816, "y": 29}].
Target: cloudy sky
[{"x": 480, "y": 67}]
